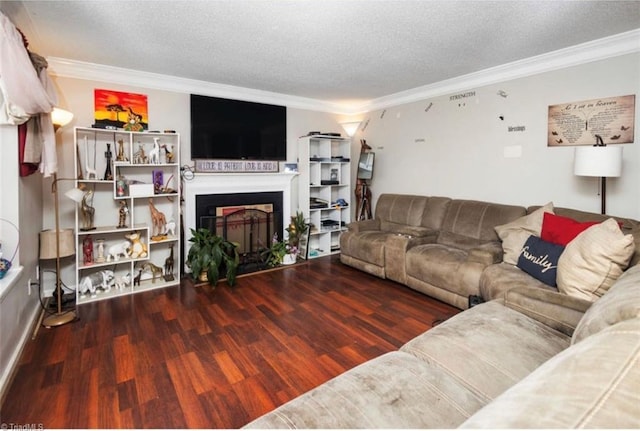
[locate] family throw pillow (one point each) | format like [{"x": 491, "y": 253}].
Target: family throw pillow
[
  {"x": 515, "y": 233},
  {"x": 594, "y": 260},
  {"x": 539, "y": 258},
  {"x": 561, "y": 230}
]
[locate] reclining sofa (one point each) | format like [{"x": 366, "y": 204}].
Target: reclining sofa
[
  {"x": 448, "y": 248},
  {"x": 528, "y": 357}
]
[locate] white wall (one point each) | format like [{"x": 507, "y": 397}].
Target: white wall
[
  {"x": 462, "y": 155},
  {"x": 22, "y": 206}
]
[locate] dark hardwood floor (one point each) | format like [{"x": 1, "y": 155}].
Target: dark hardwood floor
[{"x": 189, "y": 357}]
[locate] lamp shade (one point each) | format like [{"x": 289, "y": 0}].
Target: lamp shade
[
  {"x": 60, "y": 117},
  {"x": 48, "y": 243},
  {"x": 75, "y": 194},
  {"x": 351, "y": 128},
  {"x": 598, "y": 161}
]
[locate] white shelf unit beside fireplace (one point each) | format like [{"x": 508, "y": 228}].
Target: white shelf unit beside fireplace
[
  {"x": 91, "y": 145},
  {"x": 325, "y": 177}
]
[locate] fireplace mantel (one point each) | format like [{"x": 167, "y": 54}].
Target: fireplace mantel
[{"x": 208, "y": 184}]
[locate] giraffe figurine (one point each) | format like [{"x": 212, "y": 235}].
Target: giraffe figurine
[
  {"x": 159, "y": 222},
  {"x": 168, "y": 266}
]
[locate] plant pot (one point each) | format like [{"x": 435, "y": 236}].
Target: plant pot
[
  {"x": 289, "y": 259},
  {"x": 203, "y": 276}
]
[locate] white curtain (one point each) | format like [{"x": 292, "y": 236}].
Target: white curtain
[{"x": 27, "y": 93}]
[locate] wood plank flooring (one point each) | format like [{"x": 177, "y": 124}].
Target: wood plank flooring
[{"x": 189, "y": 357}]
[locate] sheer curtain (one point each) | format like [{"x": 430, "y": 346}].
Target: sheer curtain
[{"x": 27, "y": 95}]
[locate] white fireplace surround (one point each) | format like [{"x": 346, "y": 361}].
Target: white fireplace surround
[{"x": 211, "y": 184}]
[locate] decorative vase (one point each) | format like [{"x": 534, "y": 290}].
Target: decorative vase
[{"x": 87, "y": 250}]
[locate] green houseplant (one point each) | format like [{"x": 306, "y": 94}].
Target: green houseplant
[
  {"x": 210, "y": 254},
  {"x": 296, "y": 229},
  {"x": 275, "y": 253}
]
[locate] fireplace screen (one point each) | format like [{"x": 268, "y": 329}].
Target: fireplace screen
[{"x": 250, "y": 226}]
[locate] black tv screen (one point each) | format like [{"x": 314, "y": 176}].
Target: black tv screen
[{"x": 237, "y": 130}]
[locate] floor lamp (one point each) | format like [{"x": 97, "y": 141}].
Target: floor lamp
[
  {"x": 63, "y": 241},
  {"x": 598, "y": 161}
]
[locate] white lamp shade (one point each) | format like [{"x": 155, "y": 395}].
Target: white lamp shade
[
  {"x": 60, "y": 117},
  {"x": 75, "y": 195},
  {"x": 48, "y": 243},
  {"x": 598, "y": 161},
  {"x": 351, "y": 128}
]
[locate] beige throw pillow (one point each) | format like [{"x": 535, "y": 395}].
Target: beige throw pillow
[
  {"x": 594, "y": 260},
  {"x": 515, "y": 233}
]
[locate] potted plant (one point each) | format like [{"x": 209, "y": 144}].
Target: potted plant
[
  {"x": 210, "y": 254},
  {"x": 274, "y": 255},
  {"x": 296, "y": 229}
]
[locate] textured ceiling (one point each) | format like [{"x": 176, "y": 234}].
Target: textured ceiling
[{"x": 346, "y": 51}]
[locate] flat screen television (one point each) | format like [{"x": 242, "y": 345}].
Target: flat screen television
[{"x": 237, "y": 130}]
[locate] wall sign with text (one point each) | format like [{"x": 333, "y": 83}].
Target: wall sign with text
[
  {"x": 578, "y": 123},
  {"x": 209, "y": 166}
]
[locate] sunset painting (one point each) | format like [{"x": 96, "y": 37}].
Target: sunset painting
[{"x": 118, "y": 110}]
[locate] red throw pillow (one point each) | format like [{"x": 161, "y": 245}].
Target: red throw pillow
[{"x": 561, "y": 230}]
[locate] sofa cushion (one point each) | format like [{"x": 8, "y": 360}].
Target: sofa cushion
[
  {"x": 488, "y": 348},
  {"x": 592, "y": 384},
  {"x": 367, "y": 246},
  {"x": 468, "y": 224},
  {"x": 401, "y": 209},
  {"x": 561, "y": 230},
  {"x": 593, "y": 261},
  {"x": 515, "y": 233},
  {"x": 621, "y": 302},
  {"x": 498, "y": 279},
  {"x": 539, "y": 258},
  {"x": 444, "y": 267},
  {"x": 395, "y": 390}
]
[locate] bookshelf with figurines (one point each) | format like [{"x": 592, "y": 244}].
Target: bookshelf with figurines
[{"x": 127, "y": 221}]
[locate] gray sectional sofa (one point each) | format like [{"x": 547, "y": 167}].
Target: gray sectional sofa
[
  {"x": 447, "y": 248},
  {"x": 529, "y": 357}
]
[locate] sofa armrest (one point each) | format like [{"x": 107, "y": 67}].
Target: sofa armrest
[
  {"x": 363, "y": 225},
  {"x": 486, "y": 254},
  {"x": 556, "y": 310},
  {"x": 395, "y": 253}
]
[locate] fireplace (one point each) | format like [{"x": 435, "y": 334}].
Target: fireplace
[
  {"x": 247, "y": 219},
  {"x": 205, "y": 193}
]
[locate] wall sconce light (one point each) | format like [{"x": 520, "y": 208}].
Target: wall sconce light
[
  {"x": 598, "y": 161},
  {"x": 351, "y": 127}
]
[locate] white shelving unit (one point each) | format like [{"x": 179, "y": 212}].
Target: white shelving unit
[
  {"x": 324, "y": 166},
  {"x": 138, "y": 174}
]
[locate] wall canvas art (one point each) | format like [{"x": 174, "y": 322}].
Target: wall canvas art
[
  {"x": 118, "y": 110},
  {"x": 578, "y": 123}
]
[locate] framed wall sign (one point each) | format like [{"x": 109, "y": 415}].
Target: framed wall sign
[
  {"x": 578, "y": 123},
  {"x": 209, "y": 166}
]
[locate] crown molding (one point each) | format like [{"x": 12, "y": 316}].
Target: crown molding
[
  {"x": 600, "y": 49},
  {"x": 98, "y": 72}
]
